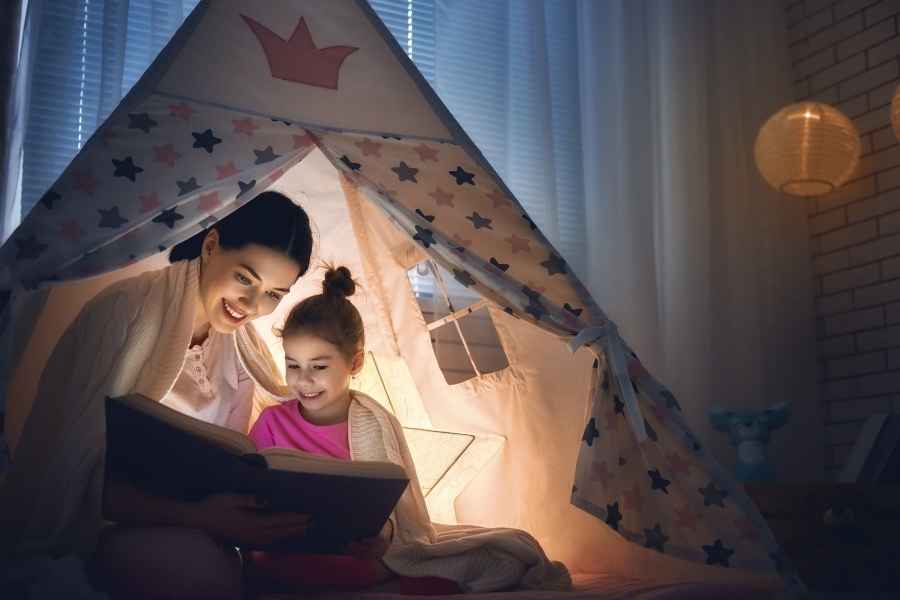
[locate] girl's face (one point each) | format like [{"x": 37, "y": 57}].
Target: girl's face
[
  {"x": 319, "y": 374},
  {"x": 240, "y": 285}
]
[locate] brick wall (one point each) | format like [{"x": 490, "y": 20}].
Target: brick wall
[{"x": 847, "y": 53}]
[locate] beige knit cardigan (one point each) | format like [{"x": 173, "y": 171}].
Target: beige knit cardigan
[{"x": 131, "y": 339}]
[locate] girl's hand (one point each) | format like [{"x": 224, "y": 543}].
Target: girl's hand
[
  {"x": 373, "y": 547},
  {"x": 239, "y": 519}
]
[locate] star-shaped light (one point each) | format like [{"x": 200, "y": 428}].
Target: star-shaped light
[
  {"x": 71, "y": 231},
  {"x": 245, "y": 126},
  {"x": 405, "y": 172},
  {"x": 165, "y": 155},
  {"x": 186, "y": 187},
  {"x": 499, "y": 199},
  {"x": 426, "y": 153},
  {"x": 110, "y": 218},
  {"x": 149, "y": 202},
  {"x": 85, "y": 182},
  {"x": 225, "y": 171},
  {"x": 369, "y": 148},
  {"x": 479, "y": 222},
  {"x": 141, "y": 121},
  {"x": 208, "y": 202},
  {"x": 297, "y": 59},
  {"x": 462, "y": 176},
  {"x": 518, "y": 244},
  {"x": 168, "y": 218},
  {"x": 265, "y": 155},
  {"x": 718, "y": 554},
  {"x": 126, "y": 168},
  {"x": 181, "y": 110},
  {"x": 205, "y": 140},
  {"x": 442, "y": 198},
  {"x": 713, "y": 495}
]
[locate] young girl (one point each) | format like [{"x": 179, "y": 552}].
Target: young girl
[{"x": 323, "y": 343}]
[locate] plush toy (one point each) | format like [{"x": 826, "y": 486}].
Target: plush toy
[{"x": 749, "y": 432}]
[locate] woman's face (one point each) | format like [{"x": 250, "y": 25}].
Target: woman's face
[{"x": 240, "y": 285}]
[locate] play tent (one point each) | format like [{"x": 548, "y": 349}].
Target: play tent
[{"x": 315, "y": 99}]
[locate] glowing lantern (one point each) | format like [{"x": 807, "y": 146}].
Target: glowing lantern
[{"x": 807, "y": 149}]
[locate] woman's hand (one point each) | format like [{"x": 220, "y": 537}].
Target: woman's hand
[
  {"x": 241, "y": 519},
  {"x": 373, "y": 547}
]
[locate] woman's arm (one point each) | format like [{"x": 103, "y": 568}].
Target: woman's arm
[{"x": 235, "y": 518}]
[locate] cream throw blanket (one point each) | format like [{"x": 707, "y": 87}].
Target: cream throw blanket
[{"x": 131, "y": 339}]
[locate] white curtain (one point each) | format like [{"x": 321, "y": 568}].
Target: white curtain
[{"x": 706, "y": 270}]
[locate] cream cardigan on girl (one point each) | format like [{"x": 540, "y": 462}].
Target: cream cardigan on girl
[{"x": 131, "y": 339}]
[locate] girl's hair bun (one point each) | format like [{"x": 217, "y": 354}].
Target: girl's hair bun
[{"x": 338, "y": 283}]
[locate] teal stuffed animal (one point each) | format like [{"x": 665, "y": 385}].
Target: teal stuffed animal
[{"x": 749, "y": 432}]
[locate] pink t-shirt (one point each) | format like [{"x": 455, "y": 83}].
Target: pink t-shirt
[{"x": 283, "y": 426}]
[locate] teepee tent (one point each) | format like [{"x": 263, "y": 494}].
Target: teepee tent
[{"x": 315, "y": 99}]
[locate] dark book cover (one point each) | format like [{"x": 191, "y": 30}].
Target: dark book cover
[{"x": 163, "y": 459}]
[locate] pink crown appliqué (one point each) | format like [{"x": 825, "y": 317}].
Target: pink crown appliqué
[{"x": 297, "y": 59}]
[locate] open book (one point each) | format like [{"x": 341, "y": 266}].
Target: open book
[{"x": 164, "y": 452}]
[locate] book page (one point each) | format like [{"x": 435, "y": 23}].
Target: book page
[
  {"x": 227, "y": 439},
  {"x": 287, "y": 459}
]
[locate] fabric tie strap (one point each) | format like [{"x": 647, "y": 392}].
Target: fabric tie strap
[{"x": 608, "y": 337}]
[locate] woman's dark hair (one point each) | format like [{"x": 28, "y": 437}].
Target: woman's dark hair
[
  {"x": 330, "y": 315},
  {"x": 270, "y": 219}
]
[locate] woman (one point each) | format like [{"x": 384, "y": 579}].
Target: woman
[{"x": 181, "y": 336}]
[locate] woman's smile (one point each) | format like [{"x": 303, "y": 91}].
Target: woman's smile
[{"x": 232, "y": 313}]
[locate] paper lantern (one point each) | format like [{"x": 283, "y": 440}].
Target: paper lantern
[
  {"x": 807, "y": 149},
  {"x": 895, "y": 112}
]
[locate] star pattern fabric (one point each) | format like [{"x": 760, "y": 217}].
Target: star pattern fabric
[{"x": 163, "y": 170}]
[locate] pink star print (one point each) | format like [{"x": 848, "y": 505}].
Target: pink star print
[
  {"x": 302, "y": 141},
  {"x": 499, "y": 199},
  {"x": 369, "y": 148},
  {"x": 181, "y": 111},
  {"x": 209, "y": 202},
  {"x": 166, "y": 155},
  {"x": 600, "y": 472},
  {"x": 226, "y": 170},
  {"x": 426, "y": 153},
  {"x": 677, "y": 464},
  {"x": 149, "y": 202},
  {"x": 461, "y": 241},
  {"x": 246, "y": 126},
  {"x": 632, "y": 498},
  {"x": 442, "y": 198},
  {"x": 518, "y": 244},
  {"x": 85, "y": 182},
  {"x": 70, "y": 231},
  {"x": 685, "y": 518}
]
